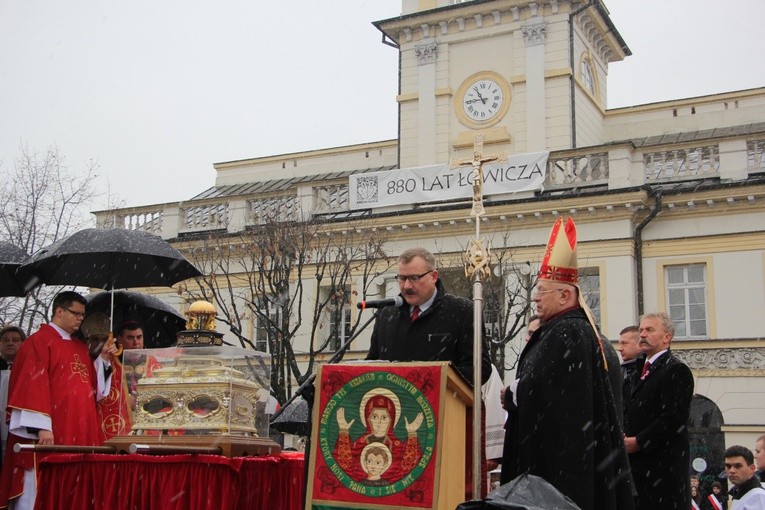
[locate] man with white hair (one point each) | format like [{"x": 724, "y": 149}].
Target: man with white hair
[
  {"x": 656, "y": 419},
  {"x": 567, "y": 428}
]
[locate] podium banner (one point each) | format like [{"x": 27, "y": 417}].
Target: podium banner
[{"x": 375, "y": 436}]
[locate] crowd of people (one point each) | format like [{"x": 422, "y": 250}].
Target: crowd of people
[{"x": 606, "y": 434}]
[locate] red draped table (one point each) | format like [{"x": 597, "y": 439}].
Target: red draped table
[{"x": 170, "y": 482}]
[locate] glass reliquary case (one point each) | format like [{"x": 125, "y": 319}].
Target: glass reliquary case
[{"x": 197, "y": 390}]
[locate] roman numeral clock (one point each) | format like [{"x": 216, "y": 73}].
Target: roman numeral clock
[{"x": 482, "y": 100}]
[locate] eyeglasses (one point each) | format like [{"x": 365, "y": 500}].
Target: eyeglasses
[
  {"x": 413, "y": 278},
  {"x": 538, "y": 293},
  {"x": 79, "y": 315}
]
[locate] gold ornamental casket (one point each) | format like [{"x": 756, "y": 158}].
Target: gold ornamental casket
[{"x": 200, "y": 390}]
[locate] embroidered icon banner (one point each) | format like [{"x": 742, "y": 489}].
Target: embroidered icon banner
[{"x": 375, "y": 436}]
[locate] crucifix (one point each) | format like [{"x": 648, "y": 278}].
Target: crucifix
[
  {"x": 477, "y": 258},
  {"x": 477, "y": 255},
  {"x": 477, "y": 164}
]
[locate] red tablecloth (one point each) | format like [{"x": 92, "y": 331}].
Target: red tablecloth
[{"x": 171, "y": 482}]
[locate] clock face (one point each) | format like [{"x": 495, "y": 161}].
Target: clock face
[{"x": 482, "y": 100}]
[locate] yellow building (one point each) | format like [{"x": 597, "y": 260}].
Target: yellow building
[{"x": 669, "y": 197}]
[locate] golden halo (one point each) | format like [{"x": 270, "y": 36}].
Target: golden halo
[{"x": 385, "y": 393}]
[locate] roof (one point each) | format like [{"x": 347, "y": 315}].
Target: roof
[
  {"x": 270, "y": 186},
  {"x": 692, "y": 136}
]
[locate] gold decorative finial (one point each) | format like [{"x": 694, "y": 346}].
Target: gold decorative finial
[{"x": 201, "y": 316}]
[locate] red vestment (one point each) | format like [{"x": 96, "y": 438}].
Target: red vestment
[
  {"x": 54, "y": 377},
  {"x": 115, "y": 414}
]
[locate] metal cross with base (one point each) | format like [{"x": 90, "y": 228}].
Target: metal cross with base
[
  {"x": 477, "y": 164},
  {"x": 477, "y": 258}
]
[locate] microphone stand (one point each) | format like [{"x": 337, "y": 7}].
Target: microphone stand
[
  {"x": 308, "y": 383},
  {"x": 310, "y": 379}
]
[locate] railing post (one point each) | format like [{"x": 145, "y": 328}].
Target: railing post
[
  {"x": 171, "y": 222},
  {"x": 237, "y": 215},
  {"x": 733, "y": 160},
  {"x": 621, "y": 173}
]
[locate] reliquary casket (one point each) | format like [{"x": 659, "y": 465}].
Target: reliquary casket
[{"x": 198, "y": 390}]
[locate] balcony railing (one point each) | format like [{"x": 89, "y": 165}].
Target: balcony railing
[
  {"x": 575, "y": 171},
  {"x": 206, "y": 217},
  {"x": 678, "y": 164},
  {"x": 620, "y": 166},
  {"x": 755, "y": 155}
]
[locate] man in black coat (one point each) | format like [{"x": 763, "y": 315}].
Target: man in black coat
[
  {"x": 565, "y": 428},
  {"x": 656, "y": 420},
  {"x": 431, "y": 325},
  {"x": 629, "y": 348}
]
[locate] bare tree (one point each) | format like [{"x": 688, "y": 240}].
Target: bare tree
[
  {"x": 506, "y": 301},
  {"x": 257, "y": 281},
  {"x": 41, "y": 201}
]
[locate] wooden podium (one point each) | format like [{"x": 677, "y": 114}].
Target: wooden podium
[{"x": 389, "y": 436}]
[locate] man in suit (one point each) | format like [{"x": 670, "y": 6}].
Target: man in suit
[
  {"x": 629, "y": 348},
  {"x": 656, "y": 420}
]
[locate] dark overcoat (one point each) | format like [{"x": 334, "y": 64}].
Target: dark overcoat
[
  {"x": 615, "y": 377},
  {"x": 443, "y": 332},
  {"x": 656, "y": 414},
  {"x": 565, "y": 428}
]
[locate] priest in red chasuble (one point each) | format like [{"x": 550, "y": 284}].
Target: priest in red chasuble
[
  {"x": 52, "y": 396},
  {"x": 115, "y": 411}
]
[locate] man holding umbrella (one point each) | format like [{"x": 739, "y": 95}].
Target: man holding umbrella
[
  {"x": 115, "y": 411},
  {"x": 52, "y": 397}
]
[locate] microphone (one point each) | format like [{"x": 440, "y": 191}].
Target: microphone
[{"x": 380, "y": 303}]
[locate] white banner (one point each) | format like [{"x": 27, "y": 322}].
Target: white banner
[{"x": 524, "y": 172}]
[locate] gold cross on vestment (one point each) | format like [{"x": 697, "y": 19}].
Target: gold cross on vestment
[{"x": 78, "y": 367}]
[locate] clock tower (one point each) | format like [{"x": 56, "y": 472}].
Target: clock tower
[{"x": 527, "y": 75}]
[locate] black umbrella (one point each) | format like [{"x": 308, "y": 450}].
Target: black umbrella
[
  {"x": 11, "y": 258},
  {"x": 108, "y": 259},
  {"x": 293, "y": 419},
  {"x": 160, "y": 322}
]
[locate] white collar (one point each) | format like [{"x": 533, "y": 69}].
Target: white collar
[
  {"x": 64, "y": 334},
  {"x": 656, "y": 356},
  {"x": 427, "y": 304}
]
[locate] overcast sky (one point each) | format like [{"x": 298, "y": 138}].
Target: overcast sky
[{"x": 157, "y": 91}]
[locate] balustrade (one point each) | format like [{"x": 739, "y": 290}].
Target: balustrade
[{"x": 685, "y": 163}]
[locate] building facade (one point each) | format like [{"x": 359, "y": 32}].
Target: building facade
[{"x": 669, "y": 197}]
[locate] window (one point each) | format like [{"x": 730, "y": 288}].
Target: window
[
  {"x": 340, "y": 326},
  {"x": 588, "y": 78},
  {"x": 589, "y": 286},
  {"x": 339, "y": 318},
  {"x": 686, "y": 297},
  {"x": 266, "y": 317}
]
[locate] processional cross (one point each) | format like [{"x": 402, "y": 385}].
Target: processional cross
[{"x": 477, "y": 258}]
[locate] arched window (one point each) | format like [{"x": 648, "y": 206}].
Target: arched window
[{"x": 588, "y": 75}]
